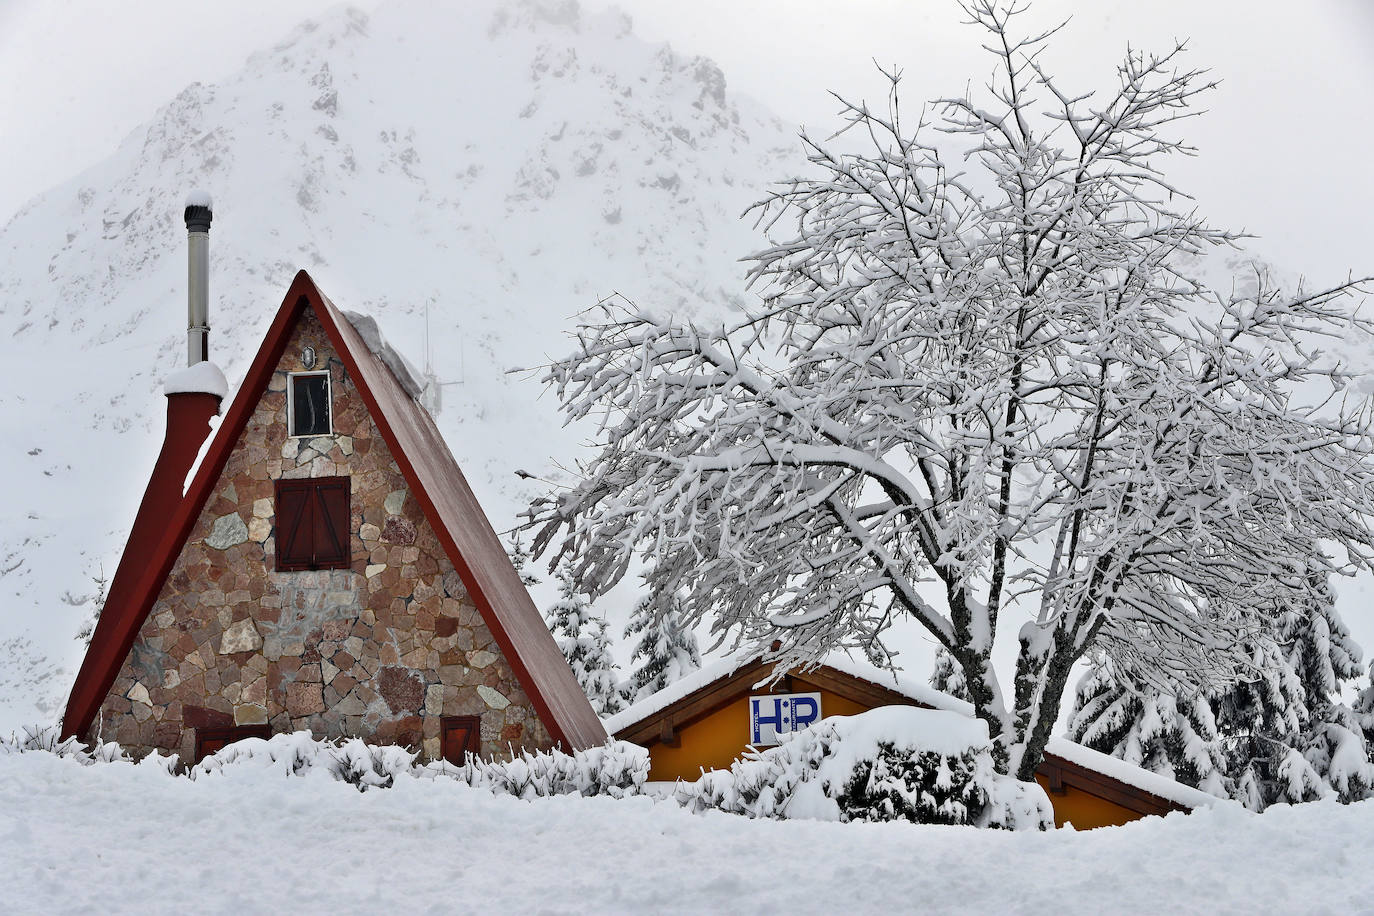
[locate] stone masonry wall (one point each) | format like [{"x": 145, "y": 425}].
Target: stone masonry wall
[{"x": 380, "y": 650}]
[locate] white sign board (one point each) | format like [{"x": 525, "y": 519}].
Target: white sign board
[{"x": 778, "y": 713}]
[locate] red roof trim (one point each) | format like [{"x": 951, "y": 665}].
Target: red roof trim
[{"x": 557, "y": 699}]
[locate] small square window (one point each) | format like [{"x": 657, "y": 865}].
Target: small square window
[{"x": 307, "y": 404}]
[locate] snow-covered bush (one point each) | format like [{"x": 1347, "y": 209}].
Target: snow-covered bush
[
  {"x": 617, "y": 769},
  {"x": 48, "y": 738},
  {"x": 351, "y": 760},
  {"x": 892, "y": 763}
]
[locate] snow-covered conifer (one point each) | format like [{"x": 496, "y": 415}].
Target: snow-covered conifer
[
  {"x": 581, "y": 636},
  {"x": 97, "y": 603},
  {"x": 947, "y": 676},
  {"x": 1288, "y": 736},
  {"x": 664, "y": 649},
  {"x": 520, "y": 559},
  {"x": 1279, "y": 734},
  {"x": 596, "y": 669},
  {"x": 568, "y": 617},
  {"x": 1173, "y": 737}
]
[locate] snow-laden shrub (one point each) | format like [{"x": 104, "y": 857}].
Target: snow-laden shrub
[
  {"x": 48, "y": 738},
  {"x": 892, "y": 763},
  {"x": 617, "y": 769},
  {"x": 351, "y": 760}
]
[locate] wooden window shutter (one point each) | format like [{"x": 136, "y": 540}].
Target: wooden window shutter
[
  {"x": 293, "y": 524},
  {"x": 460, "y": 736},
  {"x": 313, "y": 524},
  {"x": 331, "y": 522}
]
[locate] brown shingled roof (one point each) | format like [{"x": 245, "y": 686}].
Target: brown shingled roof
[{"x": 438, "y": 486}]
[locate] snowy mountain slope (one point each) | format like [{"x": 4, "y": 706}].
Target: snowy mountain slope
[{"x": 501, "y": 167}]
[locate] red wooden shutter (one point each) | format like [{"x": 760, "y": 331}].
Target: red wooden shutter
[
  {"x": 331, "y": 522},
  {"x": 294, "y": 529},
  {"x": 313, "y": 524}
]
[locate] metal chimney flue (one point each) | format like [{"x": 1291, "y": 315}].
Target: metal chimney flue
[{"x": 198, "y": 215}]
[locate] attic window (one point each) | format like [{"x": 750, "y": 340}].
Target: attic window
[
  {"x": 307, "y": 404},
  {"x": 312, "y": 524},
  {"x": 213, "y": 740}
]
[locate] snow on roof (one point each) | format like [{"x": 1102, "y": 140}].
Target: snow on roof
[
  {"x": 367, "y": 329},
  {"x": 922, "y": 693},
  {"x": 702, "y": 677},
  {"x": 199, "y": 198},
  {"x": 1132, "y": 775},
  {"x": 203, "y": 377}
]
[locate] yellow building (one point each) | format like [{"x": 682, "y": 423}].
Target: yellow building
[{"x": 706, "y": 720}]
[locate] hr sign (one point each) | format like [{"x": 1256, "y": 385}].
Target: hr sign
[{"x": 780, "y": 713}]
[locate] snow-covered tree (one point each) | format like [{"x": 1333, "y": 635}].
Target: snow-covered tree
[
  {"x": 664, "y": 650},
  {"x": 520, "y": 559},
  {"x": 1288, "y": 736},
  {"x": 597, "y": 670},
  {"x": 568, "y": 617},
  {"x": 1173, "y": 737},
  {"x": 947, "y": 676},
  {"x": 581, "y": 636},
  {"x": 1280, "y": 734},
  {"x": 97, "y": 605},
  {"x": 961, "y": 359}
]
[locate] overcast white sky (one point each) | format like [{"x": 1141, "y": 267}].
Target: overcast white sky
[{"x": 1284, "y": 151}]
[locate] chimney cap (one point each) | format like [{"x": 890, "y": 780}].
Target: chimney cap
[{"x": 199, "y": 211}]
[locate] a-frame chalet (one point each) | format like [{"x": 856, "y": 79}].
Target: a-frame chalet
[{"x": 327, "y": 568}]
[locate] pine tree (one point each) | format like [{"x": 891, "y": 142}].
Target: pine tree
[
  {"x": 97, "y": 602},
  {"x": 597, "y": 670},
  {"x": 1281, "y": 734},
  {"x": 567, "y": 617},
  {"x": 520, "y": 558},
  {"x": 1161, "y": 733},
  {"x": 665, "y": 651},
  {"x": 947, "y": 676},
  {"x": 1288, "y": 735},
  {"x": 582, "y": 638}
]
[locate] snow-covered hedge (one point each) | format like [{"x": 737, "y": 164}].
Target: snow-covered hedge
[
  {"x": 892, "y": 763},
  {"x": 48, "y": 738},
  {"x": 617, "y": 769}
]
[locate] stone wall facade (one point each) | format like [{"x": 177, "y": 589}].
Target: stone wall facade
[{"x": 380, "y": 650}]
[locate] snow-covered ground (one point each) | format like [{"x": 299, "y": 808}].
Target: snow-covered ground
[{"x": 117, "y": 838}]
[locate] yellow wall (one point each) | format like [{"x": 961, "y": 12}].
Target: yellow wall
[
  {"x": 713, "y": 743},
  {"x": 717, "y": 740},
  {"x": 1084, "y": 810}
]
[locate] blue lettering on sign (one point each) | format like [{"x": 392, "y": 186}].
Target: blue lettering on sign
[{"x": 780, "y": 714}]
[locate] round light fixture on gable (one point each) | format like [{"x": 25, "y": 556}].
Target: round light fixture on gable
[{"x": 308, "y": 357}]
